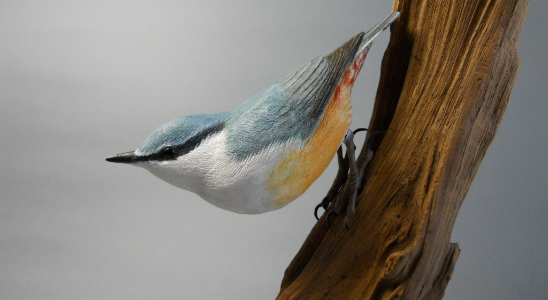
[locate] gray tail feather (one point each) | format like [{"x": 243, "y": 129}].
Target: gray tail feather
[{"x": 376, "y": 30}]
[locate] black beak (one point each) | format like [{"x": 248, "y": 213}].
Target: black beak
[{"x": 126, "y": 158}]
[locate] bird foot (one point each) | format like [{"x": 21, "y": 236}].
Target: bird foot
[
  {"x": 347, "y": 183},
  {"x": 340, "y": 179},
  {"x": 347, "y": 173}
]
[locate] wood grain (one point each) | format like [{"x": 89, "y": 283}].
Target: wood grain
[{"x": 445, "y": 82}]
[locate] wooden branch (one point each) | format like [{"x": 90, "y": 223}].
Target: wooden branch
[{"x": 445, "y": 82}]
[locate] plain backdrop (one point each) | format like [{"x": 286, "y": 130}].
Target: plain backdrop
[{"x": 82, "y": 80}]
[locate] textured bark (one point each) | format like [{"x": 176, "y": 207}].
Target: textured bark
[{"x": 445, "y": 82}]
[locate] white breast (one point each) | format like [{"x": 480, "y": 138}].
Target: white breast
[{"x": 222, "y": 180}]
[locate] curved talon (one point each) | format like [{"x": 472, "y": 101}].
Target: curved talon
[
  {"x": 358, "y": 130},
  {"x": 347, "y": 175},
  {"x": 316, "y": 210}
]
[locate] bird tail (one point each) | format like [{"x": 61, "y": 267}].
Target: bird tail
[{"x": 376, "y": 30}]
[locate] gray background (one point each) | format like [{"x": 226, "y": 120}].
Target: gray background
[{"x": 81, "y": 80}]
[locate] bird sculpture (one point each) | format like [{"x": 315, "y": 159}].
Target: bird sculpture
[{"x": 266, "y": 152}]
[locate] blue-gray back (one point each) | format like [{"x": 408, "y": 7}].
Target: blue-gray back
[{"x": 290, "y": 108}]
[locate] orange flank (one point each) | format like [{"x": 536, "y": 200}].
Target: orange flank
[{"x": 299, "y": 168}]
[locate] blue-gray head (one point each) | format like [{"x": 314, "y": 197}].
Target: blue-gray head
[
  {"x": 172, "y": 140},
  {"x": 179, "y": 152}
]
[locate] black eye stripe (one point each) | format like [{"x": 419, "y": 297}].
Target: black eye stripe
[
  {"x": 172, "y": 152},
  {"x": 195, "y": 141}
]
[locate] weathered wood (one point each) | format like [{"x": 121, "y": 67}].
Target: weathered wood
[{"x": 445, "y": 82}]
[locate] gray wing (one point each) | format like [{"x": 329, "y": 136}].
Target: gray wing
[
  {"x": 310, "y": 87},
  {"x": 290, "y": 108}
]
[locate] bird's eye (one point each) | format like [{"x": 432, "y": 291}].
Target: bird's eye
[{"x": 169, "y": 152}]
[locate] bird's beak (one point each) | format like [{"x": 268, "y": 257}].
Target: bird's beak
[{"x": 126, "y": 157}]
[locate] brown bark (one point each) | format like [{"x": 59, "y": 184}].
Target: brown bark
[{"x": 445, "y": 82}]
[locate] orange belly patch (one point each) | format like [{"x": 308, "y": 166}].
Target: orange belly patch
[{"x": 298, "y": 169}]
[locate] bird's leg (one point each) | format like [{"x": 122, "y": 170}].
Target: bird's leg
[
  {"x": 341, "y": 178},
  {"x": 347, "y": 198},
  {"x": 342, "y": 175},
  {"x": 363, "y": 162},
  {"x": 350, "y": 189},
  {"x": 360, "y": 168}
]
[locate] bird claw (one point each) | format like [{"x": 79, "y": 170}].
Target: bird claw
[
  {"x": 340, "y": 179},
  {"x": 316, "y": 211},
  {"x": 347, "y": 182},
  {"x": 347, "y": 172}
]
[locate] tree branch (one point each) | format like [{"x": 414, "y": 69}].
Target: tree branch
[{"x": 445, "y": 81}]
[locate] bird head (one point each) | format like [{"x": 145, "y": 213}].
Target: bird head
[
  {"x": 172, "y": 140},
  {"x": 165, "y": 152}
]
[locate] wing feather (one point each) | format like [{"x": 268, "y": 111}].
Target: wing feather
[
  {"x": 291, "y": 108},
  {"x": 310, "y": 87}
]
